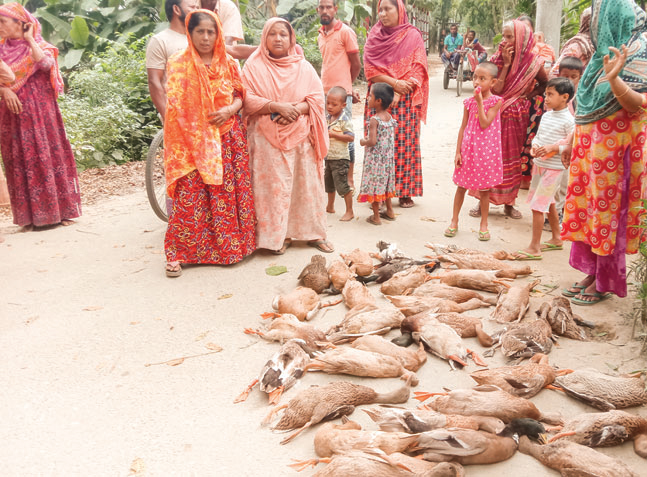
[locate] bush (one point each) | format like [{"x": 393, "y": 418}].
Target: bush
[{"x": 109, "y": 116}]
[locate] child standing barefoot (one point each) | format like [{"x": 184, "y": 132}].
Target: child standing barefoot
[
  {"x": 378, "y": 175},
  {"x": 478, "y": 152}
]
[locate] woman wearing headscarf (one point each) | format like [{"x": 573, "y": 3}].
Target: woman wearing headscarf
[
  {"x": 288, "y": 140},
  {"x": 580, "y": 46},
  {"x": 205, "y": 154},
  {"x": 607, "y": 177},
  {"x": 521, "y": 78},
  {"x": 38, "y": 159},
  {"x": 395, "y": 54}
]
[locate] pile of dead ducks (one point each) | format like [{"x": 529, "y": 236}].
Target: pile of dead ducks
[{"x": 428, "y": 300}]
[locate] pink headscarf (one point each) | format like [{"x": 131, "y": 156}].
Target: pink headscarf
[
  {"x": 288, "y": 79},
  {"x": 400, "y": 53},
  {"x": 17, "y": 53},
  {"x": 525, "y": 64}
]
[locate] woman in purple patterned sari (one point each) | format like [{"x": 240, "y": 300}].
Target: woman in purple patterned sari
[{"x": 39, "y": 163}]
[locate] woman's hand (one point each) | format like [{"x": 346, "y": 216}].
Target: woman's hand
[
  {"x": 396, "y": 100},
  {"x": 508, "y": 53},
  {"x": 613, "y": 66},
  {"x": 28, "y": 32},
  {"x": 403, "y": 87},
  {"x": 288, "y": 111},
  {"x": 221, "y": 116},
  {"x": 566, "y": 155},
  {"x": 13, "y": 103}
]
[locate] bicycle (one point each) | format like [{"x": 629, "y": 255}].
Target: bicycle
[
  {"x": 464, "y": 72},
  {"x": 156, "y": 177}
]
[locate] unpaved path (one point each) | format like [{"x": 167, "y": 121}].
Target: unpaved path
[{"x": 85, "y": 308}]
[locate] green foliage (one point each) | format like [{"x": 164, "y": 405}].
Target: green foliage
[
  {"x": 638, "y": 269},
  {"x": 571, "y": 18},
  {"x": 109, "y": 116}
]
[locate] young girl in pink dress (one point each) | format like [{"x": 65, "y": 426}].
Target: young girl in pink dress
[{"x": 478, "y": 152}]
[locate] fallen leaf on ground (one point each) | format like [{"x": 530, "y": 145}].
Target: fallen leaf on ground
[
  {"x": 175, "y": 362},
  {"x": 428, "y": 219},
  {"x": 137, "y": 467},
  {"x": 225, "y": 296},
  {"x": 135, "y": 322},
  {"x": 202, "y": 335},
  {"x": 276, "y": 270},
  {"x": 92, "y": 308},
  {"x": 213, "y": 346}
]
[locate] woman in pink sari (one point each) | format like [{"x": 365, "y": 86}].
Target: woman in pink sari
[
  {"x": 288, "y": 140},
  {"x": 41, "y": 170},
  {"x": 521, "y": 76}
]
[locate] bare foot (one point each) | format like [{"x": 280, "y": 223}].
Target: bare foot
[
  {"x": 372, "y": 220},
  {"x": 330, "y": 210},
  {"x": 67, "y": 222},
  {"x": 347, "y": 217},
  {"x": 511, "y": 212},
  {"x": 585, "y": 284},
  {"x": 27, "y": 228}
]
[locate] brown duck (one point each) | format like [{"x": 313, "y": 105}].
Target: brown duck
[
  {"x": 484, "y": 262},
  {"x": 359, "y": 262},
  {"x": 286, "y": 327},
  {"x": 484, "y": 280},
  {"x": 356, "y": 293},
  {"x": 405, "y": 280},
  {"x": 363, "y": 320},
  {"x": 513, "y": 304},
  {"x": 315, "y": 275},
  {"x": 302, "y": 302},
  {"x": 524, "y": 380},
  {"x": 559, "y": 315},
  {"x": 487, "y": 400},
  {"x": 411, "y": 359},
  {"x": 412, "y": 305},
  {"x": 459, "y": 295},
  {"x": 322, "y": 403},
  {"x": 339, "y": 274},
  {"x": 525, "y": 339},
  {"x": 602, "y": 391},
  {"x": 575, "y": 460},
  {"x": 605, "y": 429}
]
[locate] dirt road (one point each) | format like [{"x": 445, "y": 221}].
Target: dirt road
[{"x": 85, "y": 310}]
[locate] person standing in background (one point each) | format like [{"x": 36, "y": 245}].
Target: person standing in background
[
  {"x": 340, "y": 62},
  {"x": 232, "y": 25}
]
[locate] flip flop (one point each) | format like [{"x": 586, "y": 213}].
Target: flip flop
[
  {"x": 173, "y": 273},
  {"x": 451, "y": 231},
  {"x": 600, "y": 297},
  {"x": 485, "y": 236},
  {"x": 370, "y": 220},
  {"x": 550, "y": 247},
  {"x": 281, "y": 251},
  {"x": 566, "y": 292},
  {"x": 318, "y": 244},
  {"x": 406, "y": 203},
  {"x": 386, "y": 216},
  {"x": 526, "y": 256}
]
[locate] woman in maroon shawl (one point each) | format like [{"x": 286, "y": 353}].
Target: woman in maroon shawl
[
  {"x": 521, "y": 76},
  {"x": 38, "y": 159},
  {"x": 395, "y": 54}
]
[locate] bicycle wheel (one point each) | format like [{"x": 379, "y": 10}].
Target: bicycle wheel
[
  {"x": 155, "y": 177},
  {"x": 446, "y": 78},
  {"x": 459, "y": 79}
]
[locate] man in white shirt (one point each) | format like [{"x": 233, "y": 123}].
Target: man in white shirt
[
  {"x": 232, "y": 25},
  {"x": 163, "y": 45}
]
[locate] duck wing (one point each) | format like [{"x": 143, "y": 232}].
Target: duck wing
[{"x": 454, "y": 442}]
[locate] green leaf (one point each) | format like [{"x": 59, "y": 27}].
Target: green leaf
[
  {"x": 285, "y": 6},
  {"x": 79, "y": 32},
  {"x": 72, "y": 58},
  {"x": 276, "y": 270},
  {"x": 56, "y": 23}
]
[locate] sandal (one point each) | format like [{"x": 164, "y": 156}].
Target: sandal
[
  {"x": 386, "y": 216},
  {"x": 484, "y": 236},
  {"x": 599, "y": 297},
  {"x": 550, "y": 247},
  {"x": 521, "y": 255},
  {"x": 451, "y": 232},
  {"x": 370, "y": 220},
  {"x": 322, "y": 245},
  {"x": 568, "y": 293},
  {"x": 281, "y": 251},
  {"x": 173, "y": 269}
]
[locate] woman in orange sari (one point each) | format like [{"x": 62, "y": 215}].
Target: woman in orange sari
[
  {"x": 288, "y": 140},
  {"x": 205, "y": 153}
]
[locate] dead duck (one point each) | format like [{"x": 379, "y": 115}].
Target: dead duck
[
  {"x": 363, "y": 320},
  {"x": 484, "y": 262},
  {"x": 315, "y": 275},
  {"x": 339, "y": 274},
  {"x": 523, "y": 380},
  {"x": 563, "y": 322},
  {"x": 487, "y": 400},
  {"x": 466, "y": 326},
  {"x": 573, "y": 460},
  {"x": 405, "y": 280},
  {"x": 412, "y": 305},
  {"x": 286, "y": 327},
  {"x": 356, "y": 293},
  {"x": 359, "y": 262},
  {"x": 525, "y": 339},
  {"x": 605, "y": 429},
  {"x": 470, "y": 447},
  {"x": 386, "y": 270},
  {"x": 484, "y": 280},
  {"x": 411, "y": 359},
  {"x": 302, "y": 302},
  {"x": 513, "y": 304},
  {"x": 376, "y": 463},
  {"x": 321, "y": 403},
  {"x": 441, "y": 340},
  {"x": 602, "y": 391},
  {"x": 357, "y": 362},
  {"x": 397, "y": 419},
  {"x": 281, "y": 371},
  {"x": 440, "y": 249},
  {"x": 459, "y": 295}
]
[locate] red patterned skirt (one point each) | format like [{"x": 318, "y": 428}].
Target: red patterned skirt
[
  {"x": 408, "y": 160},
  {"x": 215, "y": 223}
]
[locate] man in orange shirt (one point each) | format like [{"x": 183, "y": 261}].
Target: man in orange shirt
[{"x": 341, "y": 64}]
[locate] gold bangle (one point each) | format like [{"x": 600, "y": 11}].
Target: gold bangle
[
  {"x": 395, "y": 85},
  {"x": 621, "y": 95}
]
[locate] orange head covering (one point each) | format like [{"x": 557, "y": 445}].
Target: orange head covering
[
  {"x": 289, "y": 79},
  {"x": 193, "y": 91},
  {"x": 17, "y": 53}
]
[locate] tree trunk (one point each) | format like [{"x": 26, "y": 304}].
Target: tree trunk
[{"x": 549, "y": 21}]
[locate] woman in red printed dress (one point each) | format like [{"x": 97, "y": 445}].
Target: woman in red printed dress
[
  {"x": 205, "y": 153},
  {"x": 395, "y": 54},
  {"x": 607, "y": 177},
  {"x": 38, "y": 159}
]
